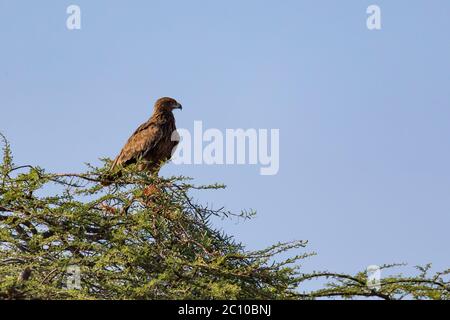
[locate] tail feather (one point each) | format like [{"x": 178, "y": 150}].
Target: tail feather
[
  {"x": 109, "y": 178},
  {"x": 112, "y": 175}
]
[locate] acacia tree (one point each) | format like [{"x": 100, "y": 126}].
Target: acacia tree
[{"x": 145, "y": 237}]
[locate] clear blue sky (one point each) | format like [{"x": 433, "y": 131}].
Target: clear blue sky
[{"x": 363, "y": 115}]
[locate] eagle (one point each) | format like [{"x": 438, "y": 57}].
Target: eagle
[{"x": 151, "y": 144}]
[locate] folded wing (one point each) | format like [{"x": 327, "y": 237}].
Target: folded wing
[{"x": 141, "y": 142}]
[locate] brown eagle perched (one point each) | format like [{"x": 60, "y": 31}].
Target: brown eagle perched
[{"x": 151, "y": 142}]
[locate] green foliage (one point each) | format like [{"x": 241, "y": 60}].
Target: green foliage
[{"x": 144, "y": 237}]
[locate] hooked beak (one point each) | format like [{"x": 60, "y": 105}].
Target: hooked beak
[{"x": 180, "y": 106}]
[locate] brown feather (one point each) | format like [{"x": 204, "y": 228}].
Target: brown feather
[{"x": 152, "y": 141}]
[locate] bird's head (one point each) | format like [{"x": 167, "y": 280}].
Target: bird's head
[{"x": 167, "y": 104}]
